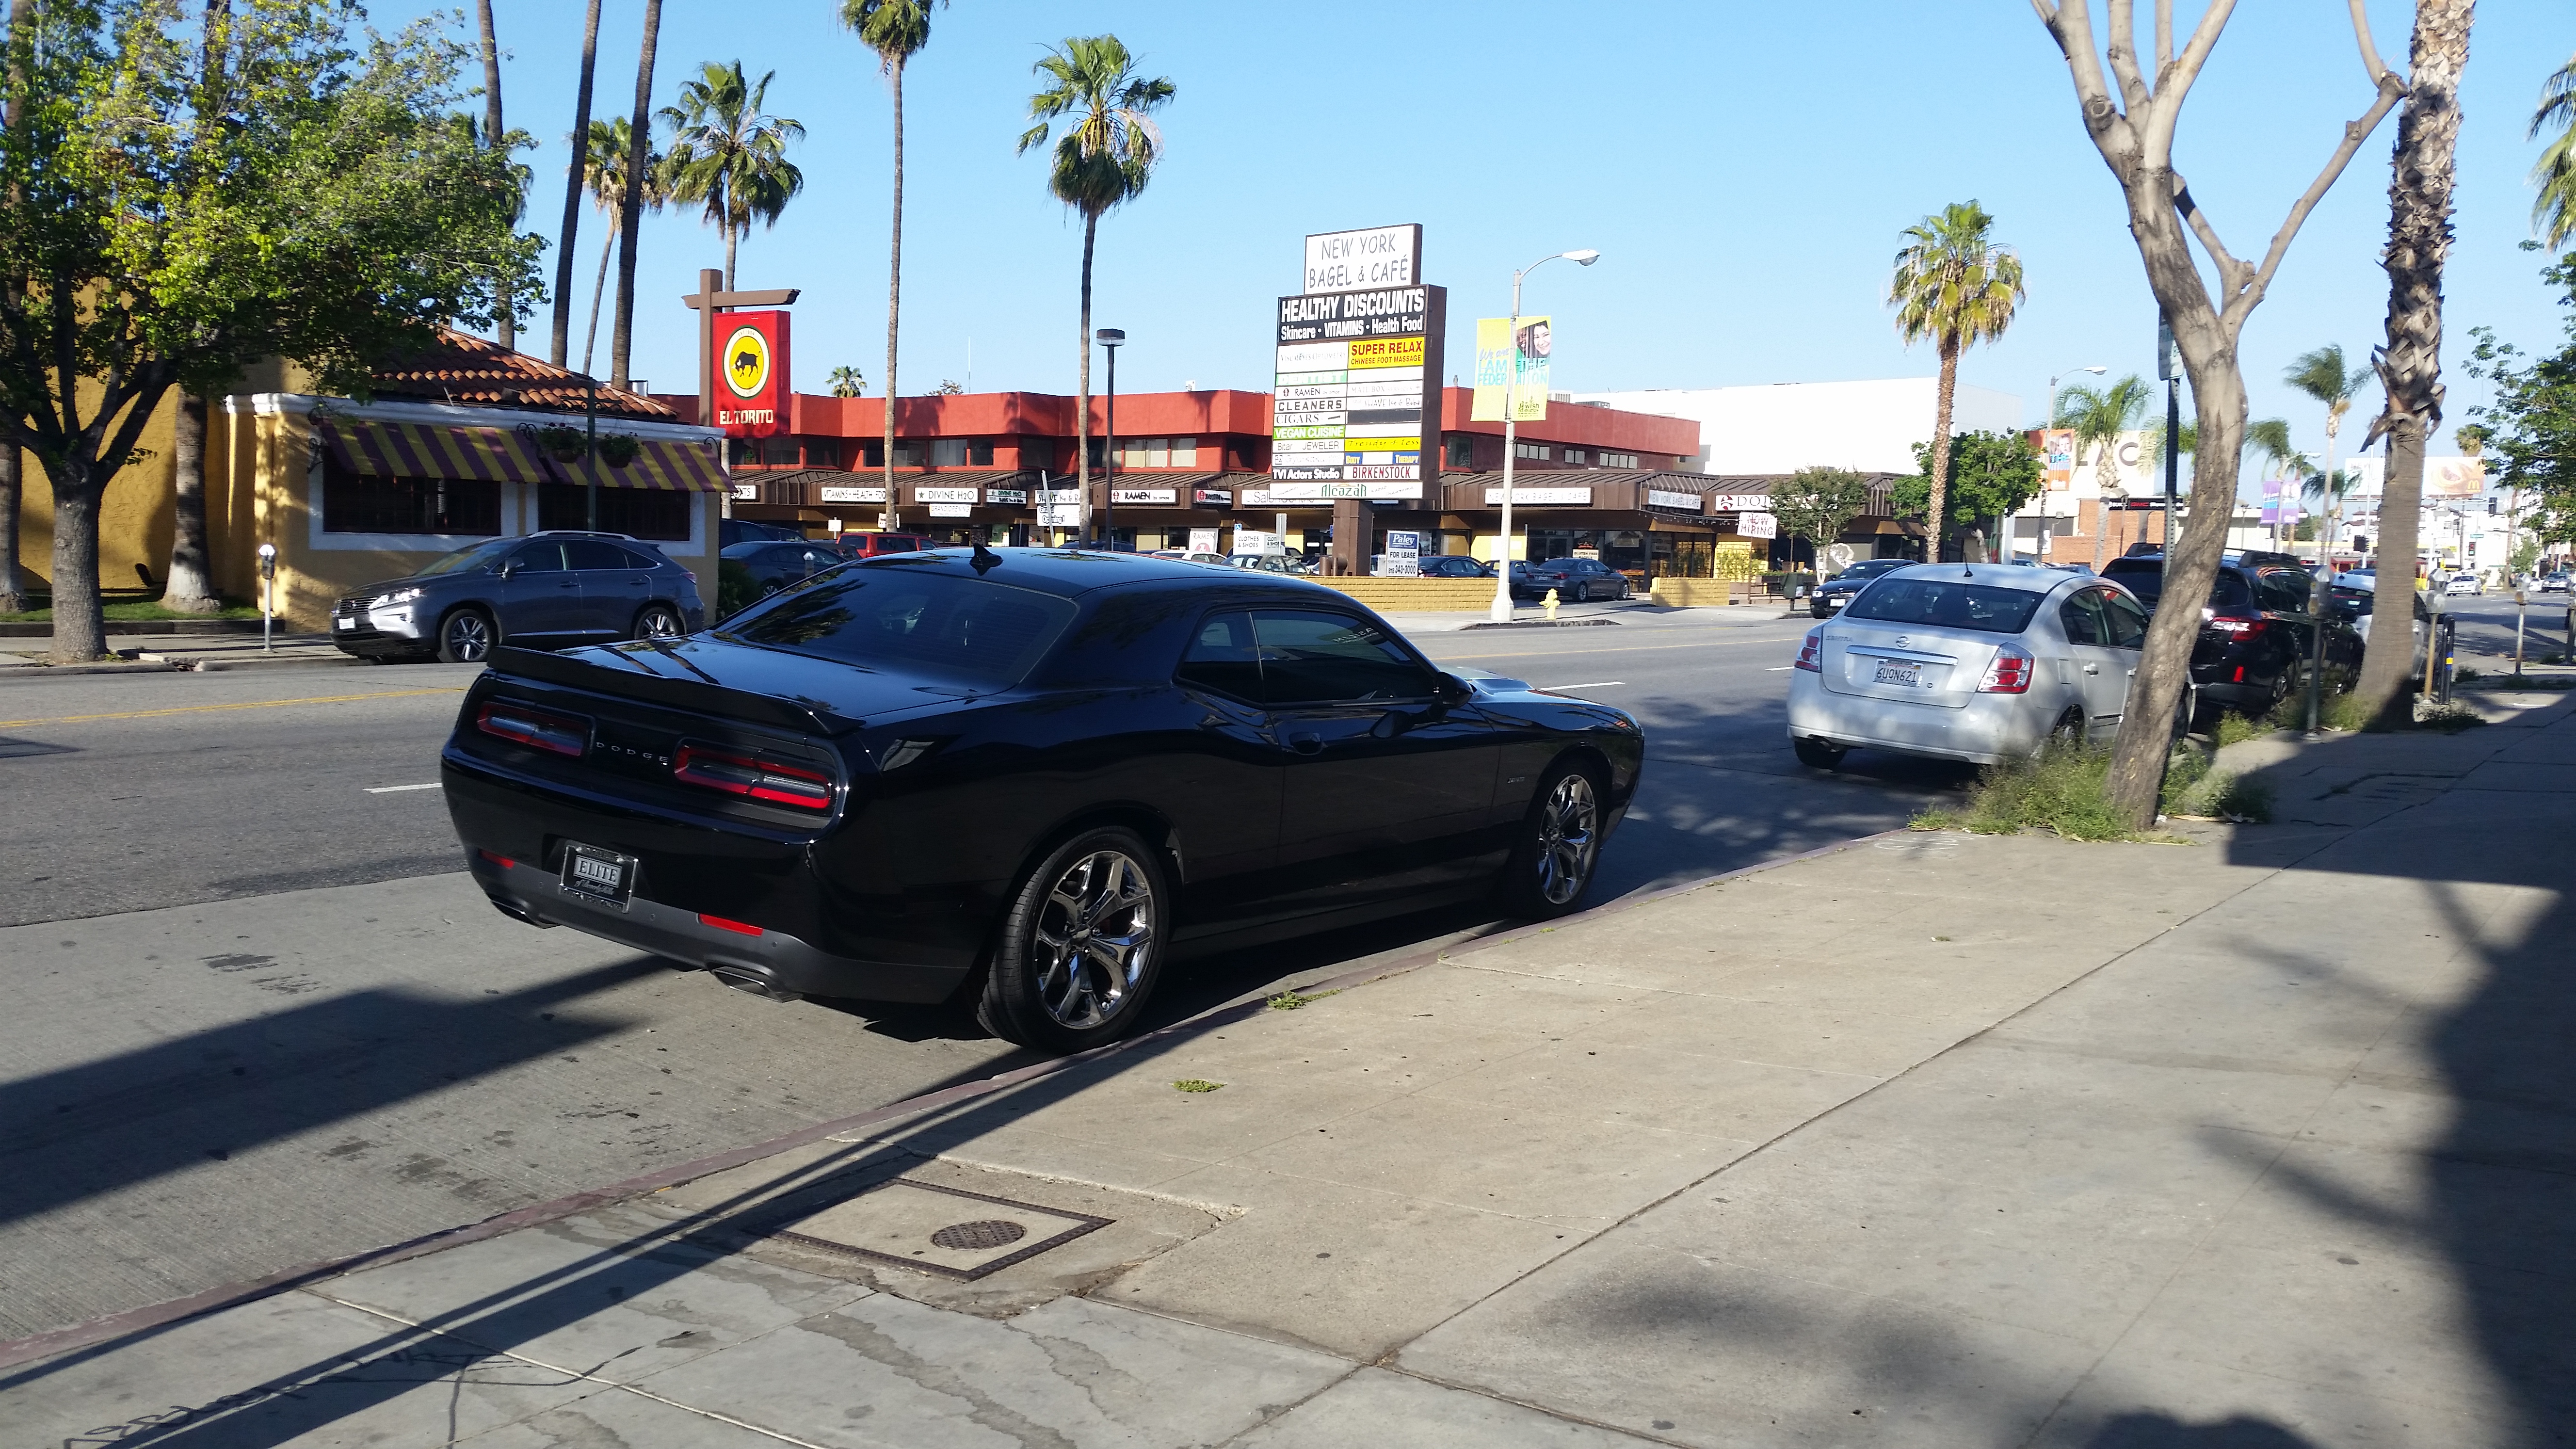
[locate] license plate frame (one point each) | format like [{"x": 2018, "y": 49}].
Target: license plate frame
[
  {"x": 600, "y": 876},
  {"x": 1903, "y": 673}
]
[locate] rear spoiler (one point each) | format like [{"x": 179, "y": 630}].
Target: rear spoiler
[{"x": 634, "y": 681}]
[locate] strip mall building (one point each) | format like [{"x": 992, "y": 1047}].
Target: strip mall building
[{"x": 1194, "y": 467}]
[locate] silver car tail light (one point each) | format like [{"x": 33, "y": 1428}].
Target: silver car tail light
[
  {"x": 2009, "y": 673},
  {"x": 1811, "y": 653}
]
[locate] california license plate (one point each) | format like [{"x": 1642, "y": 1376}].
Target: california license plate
[
  {"x": 1895, "y": 671},
  {"x": 598, "y": 875}
]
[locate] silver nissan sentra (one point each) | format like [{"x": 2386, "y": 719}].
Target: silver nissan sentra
[{"x": 1975, "y": 662}]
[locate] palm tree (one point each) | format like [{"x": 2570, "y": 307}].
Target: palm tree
[
  {"x": 894, "y": 29},
  {"x": 604, "y": 178},
  {"x": 576, "y": 178},
  {"x": 1956, "y": 288},
  {"x": 2269, "y": 440},
  {"x": 729, "y": 154},
  {"x": 2322, "y": 375},
  {"x": 2098, "y": 416},
  {"x": 1105, "y": 157},
  {"x": 848, "y": 382},
  {"x": 504, "y": 330},
  {"x": 639, "y": 136},
  {"x": 2553, "y": 211}
]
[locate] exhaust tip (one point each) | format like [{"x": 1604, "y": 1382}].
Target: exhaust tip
[{"x": 754, "y": 979}]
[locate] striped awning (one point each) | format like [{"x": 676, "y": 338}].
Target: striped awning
[
  {"x": 435, "y": 450},
  {"x": 683, "y": 467}
]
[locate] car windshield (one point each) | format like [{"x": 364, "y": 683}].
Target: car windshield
[
  {"x": 1870, "y": 568},
  {"x": 472, "y": 556},
  {"x": 911, "y": 620},
  {"x": 1947, "y": 604}
]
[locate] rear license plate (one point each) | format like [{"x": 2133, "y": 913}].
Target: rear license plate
[
  {"x": 1891, "y": 671},
  {"x": 598, "y": 875}
]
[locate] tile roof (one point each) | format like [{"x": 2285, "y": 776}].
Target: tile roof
[{"x": 458, "y": 368}]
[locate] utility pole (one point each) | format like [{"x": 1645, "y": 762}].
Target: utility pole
[{"x": 2172, "y": 376}]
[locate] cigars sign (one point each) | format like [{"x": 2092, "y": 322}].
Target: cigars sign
[{"x": 750, "y": 365}]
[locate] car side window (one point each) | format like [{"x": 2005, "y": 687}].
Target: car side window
[
  {"x": 590, "y": 555},
  {"x": 2081, "y": 617},
  {"x": 1224, "y": 657},
  {"x": 539, "y": 558},
  {"x": 2282, "y": 590},
  {"x": 2128, "y": 622},
  {"x": 1317, "y": 658},
  {"x": 637, "y": 558}
]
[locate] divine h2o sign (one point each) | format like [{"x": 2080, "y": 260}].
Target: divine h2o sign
[{"x": 1355, "y": 396}]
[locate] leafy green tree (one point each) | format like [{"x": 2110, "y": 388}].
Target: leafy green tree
[
  {"x": 896, "y": 30},
  {"x": 2528, "y": 427},
  {"x": 170, "y": 213},
  {"x": 729, "y": 155},
  {"x": 2323, "y": 374},
  {"x": 1816, "y": 504},
  {"x": 605, "y": 160},
  {"x": 1955, "y": 288},
  {"x": 2553, "y": 176},
  {"x": 1103, "y": 159},
  {"x": 1991, "y": 474}
]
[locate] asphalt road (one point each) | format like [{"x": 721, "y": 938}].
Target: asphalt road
[{"x": 260, "y": 1018}]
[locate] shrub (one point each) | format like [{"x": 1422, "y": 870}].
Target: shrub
[
  {"x": 2060, "y": 789},
  {"x": 735, "y": 590},
  {"x": 2450, "y": 719}
]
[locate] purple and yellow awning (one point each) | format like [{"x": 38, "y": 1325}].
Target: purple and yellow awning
[{"x": 508, "y": 455}]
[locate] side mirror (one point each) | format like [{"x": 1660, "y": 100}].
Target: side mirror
[
  {"x": 509, "y": 566},
  {"x": 1452, "y": 690}
]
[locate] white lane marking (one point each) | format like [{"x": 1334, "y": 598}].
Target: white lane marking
[
  {"x": 398, "y": 789},
  {"x": 1596, "y": 684}
]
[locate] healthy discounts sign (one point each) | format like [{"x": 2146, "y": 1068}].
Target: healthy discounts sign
[
  {"x": 751, "y": 373},
  {"x": 1355, "y": 397}
]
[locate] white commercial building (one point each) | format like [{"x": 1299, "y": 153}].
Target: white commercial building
[{"x": 1779, "y": 428}]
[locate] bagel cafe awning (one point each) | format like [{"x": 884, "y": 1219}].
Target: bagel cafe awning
[{"x": 511, "y": 455}]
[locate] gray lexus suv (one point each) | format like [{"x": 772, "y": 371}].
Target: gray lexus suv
[{"x": 544, "y": 591}]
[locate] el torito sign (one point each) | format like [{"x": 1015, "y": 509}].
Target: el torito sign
[
  {"x": 1355, "y": 402},
  {"x": 751, "y": 373}
]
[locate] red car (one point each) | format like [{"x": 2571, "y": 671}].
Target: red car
[{"x": 871, "y": 545}]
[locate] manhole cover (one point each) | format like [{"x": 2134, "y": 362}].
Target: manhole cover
[
  {"x": 915, "y": 1225},
  {"x": 989, "y": 1233}
]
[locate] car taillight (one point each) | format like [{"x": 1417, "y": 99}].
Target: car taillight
[
  {"x": 1811, "y": 655},
  {"x": 2008, "y": 674},
  {"x": 752, "y": 779},
  {"x": 535, "y": 728}
]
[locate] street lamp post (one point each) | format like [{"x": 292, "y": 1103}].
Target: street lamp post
[
  {"x": 2049, "y": 420},
  {"x": 1501, "y": 613},
  {"x": 1111, "y": 338}
]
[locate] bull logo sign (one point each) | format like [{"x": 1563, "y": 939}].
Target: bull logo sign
[{"x": 751, "y": 359}]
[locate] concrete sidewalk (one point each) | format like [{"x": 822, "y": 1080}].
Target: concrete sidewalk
[{"x": 1934, "y": 1139}]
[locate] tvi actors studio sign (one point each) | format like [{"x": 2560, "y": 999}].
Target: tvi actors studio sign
[{"x": 1355, "y": 395}]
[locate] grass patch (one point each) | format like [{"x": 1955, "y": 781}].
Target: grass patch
[
  {"x": 137, "y": 611},
  {"x": 1291, "y": 1000},
  {"x": 2450, "y": 719},
  {"x": 2236, "y": 729},
  {"x": 2062, "y": 789},
  {"x": 1194, "y": 1084}
]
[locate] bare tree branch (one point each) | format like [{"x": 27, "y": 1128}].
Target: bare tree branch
[
  {"x": 2122, "y": 23},
  {"x": 2073, "y": 27},
  {"x": 2369, "y": 52},
  {"x": 2164, "y": 40},
  {"x": 2242, "y": 301},
  {"x": 2156, "y": 143},
  {"x": 2048, "y": 17},
  {"x": 2231, "y": 272}
]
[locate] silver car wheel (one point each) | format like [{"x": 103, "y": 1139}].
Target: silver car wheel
[
  {"x": 658, "y": 623},
  {"x": 467, "y": 637},
  {"x": 1094, "y": 938},
  {"x": 1569, "y": 834}
]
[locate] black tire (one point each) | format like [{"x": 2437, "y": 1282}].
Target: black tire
[
  {"x": 1557, "y": 851},
  {"x": 2067, "y": 732},
  {"x": 1045, "y": 988},
  {"x": 659, "y": 621},
  {"x": 466, "y": 636},
  {"x": 1818, "y": 754}
]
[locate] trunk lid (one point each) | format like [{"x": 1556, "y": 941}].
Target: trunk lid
[{"x": 1910, "y": 663}]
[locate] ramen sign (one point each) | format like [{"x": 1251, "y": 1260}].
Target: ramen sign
[{"x": 751, "y": 373}]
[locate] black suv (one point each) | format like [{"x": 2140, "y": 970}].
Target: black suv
[{"x": 2254, "y": 632}]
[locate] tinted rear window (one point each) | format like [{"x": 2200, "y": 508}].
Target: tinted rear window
[
  {"x": 1945, "y": 604},
  {"x": 911, "y": 620},
  {"x": 2146, "y": 579}
]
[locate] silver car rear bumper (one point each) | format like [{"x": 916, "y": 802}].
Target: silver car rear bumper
[{"x": 1988, "y": 728}]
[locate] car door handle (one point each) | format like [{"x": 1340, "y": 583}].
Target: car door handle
[{"x": 2092, "y": 668}]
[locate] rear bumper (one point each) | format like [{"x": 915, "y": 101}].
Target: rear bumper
[
  {"x": 772, "y": 959},
  {"x": 1987, "y": 729}
]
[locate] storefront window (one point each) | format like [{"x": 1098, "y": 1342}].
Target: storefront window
[
  {"x": 355, "y": 504},
  {"x": 656, "y": 513},
  {"x": 1458, "y": 450}
]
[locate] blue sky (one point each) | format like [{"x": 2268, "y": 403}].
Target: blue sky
[{"x": 1743, "y": 169}]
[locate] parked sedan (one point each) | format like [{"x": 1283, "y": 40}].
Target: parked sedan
[
  {"x": 2554, "y": 583},
  {"x": 1028, "y": 777},
  {"x": 1454, "y": 566},
  {"x": 543, "y": 591},
  {"x": 1976, "y": 662},
  {"x": 1576, "y": 580},
  {"x": 774, "y": 566},
  {"x": 1839, "y": 590},
  {"x": 2465, "y": 583}
]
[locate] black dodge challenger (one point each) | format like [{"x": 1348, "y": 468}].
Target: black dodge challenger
[{"x": 1029, "y": 774}]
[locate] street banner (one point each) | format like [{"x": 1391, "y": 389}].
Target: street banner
[
  {"x": 2057, "y": 458},
  {"x": 1500, "y": 349}
]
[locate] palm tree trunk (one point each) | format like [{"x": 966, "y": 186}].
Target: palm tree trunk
[
  {"x": 504, "y": 328},
  {"x": 561, "y": 344},
  {"x": 1082, "y": 403},
  {"x": 187, "y": 590},
  {"x": 13, "y": 591},
  {"x": 894, "y": 291},
  {"x": 1940, "y": 500},
  {"x": 731, "y": 233},
  {"x": 599, "y": 288},
  {"x": 639, "y": 148},
  {"x": 2410, "y": 366}
]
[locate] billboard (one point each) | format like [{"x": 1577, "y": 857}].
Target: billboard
[
  {"x": 751, "y": 374},
  {"x": 1355, "y": 396},
  {"x": 1500, "y": 347},
  {"x": 1358, "y": 261}
]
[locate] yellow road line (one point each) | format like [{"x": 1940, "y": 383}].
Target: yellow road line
[
  {"x": 1608, "y": 649},
  {"x": 11, "y": 724}
]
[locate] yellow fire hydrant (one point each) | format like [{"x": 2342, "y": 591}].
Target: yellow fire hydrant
[{"x": 1549, "y": 604}]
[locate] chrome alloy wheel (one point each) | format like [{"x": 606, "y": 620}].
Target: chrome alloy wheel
[
  {"x": 658, "y": 623},
  {"x": 1094, "y": 938},
  {"x": 1569, "y": 835},
  {"x": 467, "y": 635}
]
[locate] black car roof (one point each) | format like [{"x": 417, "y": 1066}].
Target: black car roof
[{"x": 1069, "y": 572}]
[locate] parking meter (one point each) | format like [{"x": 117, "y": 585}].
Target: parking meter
[{"x": 268, "y": 597}]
